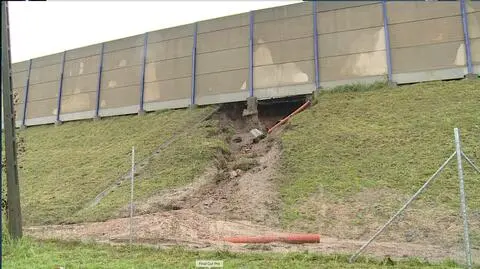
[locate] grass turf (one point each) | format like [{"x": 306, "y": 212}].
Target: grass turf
[
  {"x": 28, "y": 253},
  {"x": 63, "y": 167},
  {"x": 359, "y": 140},
  {"x": 354, "y": 140}
]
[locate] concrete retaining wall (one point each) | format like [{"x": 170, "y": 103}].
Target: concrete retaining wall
[
  {"x": 268, "y": 53},
  {"x": 427, "y": 41},
  {"x": 473, "y": 9},
  {"x": 222, "y": 60},
  {"x": 168, "y": 68},
  {"x": 351, "y": 43},
  {"x": 283, "y": 54}
]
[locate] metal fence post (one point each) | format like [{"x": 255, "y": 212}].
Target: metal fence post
[
  {"x": 466, "y": 37},
  {"x": 387, "y": 41},
  {"x": 60, "y": 90},
  {"x": 141, "y": 109},
  {"x": 99, "y": 84},
  {"x": 250, "y": 54},
  {"x": 25, "y": 99},
  {"x": 194, "y": 63},
  {"x": 315, "y": 46},
  {"x": 463, "y": 200},
  {"x": 132, "y": 181},
  {"x": 353, "y": 258}
]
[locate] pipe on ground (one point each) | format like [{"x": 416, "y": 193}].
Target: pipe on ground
[
  {"x": 287, "y": 118},
  {"x": 291, "y": 239}
]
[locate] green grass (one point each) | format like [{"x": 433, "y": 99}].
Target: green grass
[
  {"x": 359, "y": 87},
  {"x": 357, "y": 140},
  {"x": 64, "y": 167},
  {"x": 178, "y": 165},
  {"x": 53, "y": 254}
]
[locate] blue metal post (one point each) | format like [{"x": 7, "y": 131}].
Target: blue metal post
[
  {"x": 27, "y": 87},
  {"x": 315, "y": 46},
  {"x": 250, "y": 52},
  {"x": 466, "y": 37},
  {"x": 60, "y": 89},
  {"x": 142, "y": 78},
  {"x": 387, "y": 40},
  {"x": 194, "y": 62},
  {"x": 99, "y": 84}
]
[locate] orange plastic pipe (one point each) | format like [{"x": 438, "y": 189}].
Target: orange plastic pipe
[
  {"x": 282, "y": 121},
  {"x": 251, "y": 239},
  {"x": 291, "y": 239},
  {"x": 301, "y": 238}
]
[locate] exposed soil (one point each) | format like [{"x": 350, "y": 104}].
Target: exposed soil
[
  {"x": 238, "y": 187},
  {"x": 236, "y": 195},
  {"x": 362, "y": 214},
  {"x": 188, "y": 228}
]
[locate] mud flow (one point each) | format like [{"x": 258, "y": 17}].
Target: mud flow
[{"x": 240, "y": 185}]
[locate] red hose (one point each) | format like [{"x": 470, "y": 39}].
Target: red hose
[
  {"x": 291, "y": 239},
  {"x": 282, "y": 121}
]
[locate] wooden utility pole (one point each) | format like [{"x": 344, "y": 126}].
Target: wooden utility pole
[{"x": 13, "y": 189}]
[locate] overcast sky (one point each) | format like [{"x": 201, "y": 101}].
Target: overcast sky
[{"x": 42, "y": 28}]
